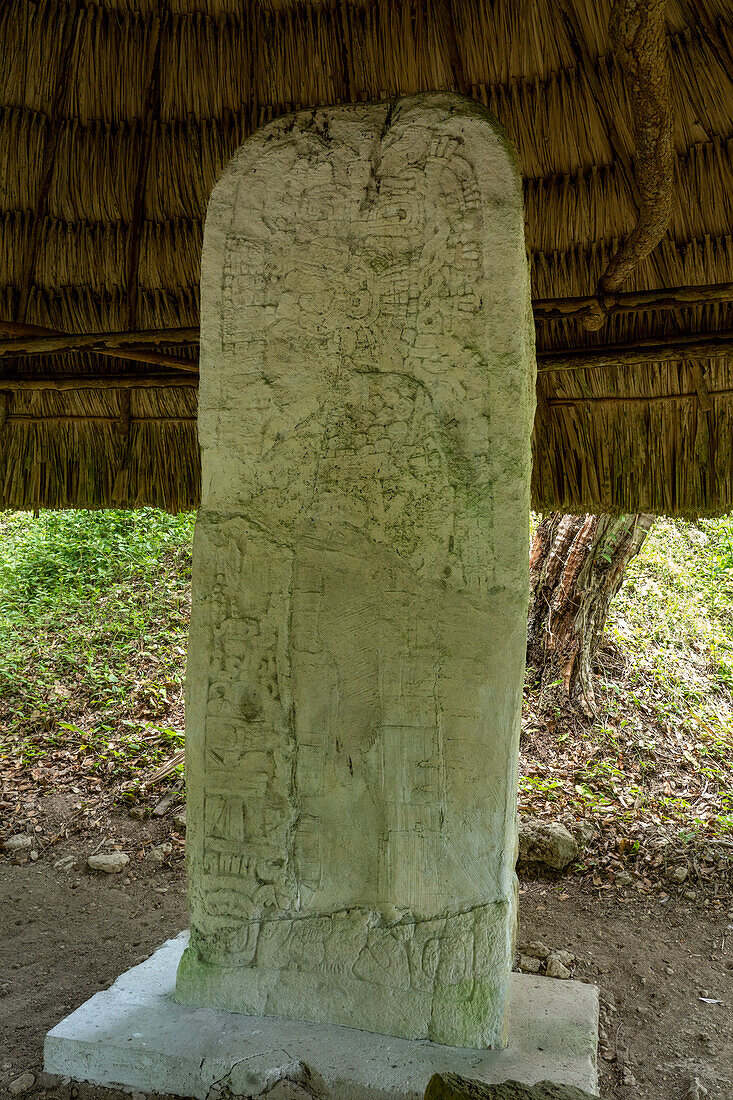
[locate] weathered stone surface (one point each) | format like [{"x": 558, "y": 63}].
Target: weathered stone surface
[
  {"x": 159, "y": 854},
  {"x": 537, "y": 949},
  {"x": 546, "y": 842},
  {"x": 565, "y": 958},
  {"x": 296, "y": 1081},
  {"x": 449, "y": 1086},
  {"x": 555, "y": 968},
  {"x": 109, "y": 862},
  {"x": 19, "y": 842},
  {"x": 22, "y": 1084},
  {"x": 135, "y": 1035},
  {"x": 360, "y": 574}
]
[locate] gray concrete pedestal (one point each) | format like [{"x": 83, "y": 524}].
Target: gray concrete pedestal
[{"x": 135, "y": 1035}]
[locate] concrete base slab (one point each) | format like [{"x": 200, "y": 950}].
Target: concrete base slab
[{"x": 134, "y": 1035}]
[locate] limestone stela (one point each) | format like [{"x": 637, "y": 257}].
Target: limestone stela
[{"x": 360, "y": 573}]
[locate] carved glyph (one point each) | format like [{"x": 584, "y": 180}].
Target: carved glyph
[{"x": 360, "y": 573}]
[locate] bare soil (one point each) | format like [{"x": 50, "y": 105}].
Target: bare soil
[{"x": 67, "y": 933}]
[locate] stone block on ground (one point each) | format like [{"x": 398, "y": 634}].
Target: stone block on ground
[
  {"x": 546, "y": 842},
  {"x": 111, "y": 863},
  {"x": 134, "y": 1035}
]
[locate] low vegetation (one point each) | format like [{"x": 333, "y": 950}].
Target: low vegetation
[
  {"x": 654, "y": 771},
  {"x": 93, "y": 620}
]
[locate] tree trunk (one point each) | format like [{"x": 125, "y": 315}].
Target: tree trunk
[{"x": 577, "y": 565}]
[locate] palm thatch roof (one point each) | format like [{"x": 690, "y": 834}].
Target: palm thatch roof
[{"x": 116, "y": 116}]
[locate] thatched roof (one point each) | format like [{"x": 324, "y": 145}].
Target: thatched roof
[{"x": 116, "y": 117}]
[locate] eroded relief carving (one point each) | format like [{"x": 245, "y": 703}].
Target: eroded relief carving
[{"x": 357, "y": 638}]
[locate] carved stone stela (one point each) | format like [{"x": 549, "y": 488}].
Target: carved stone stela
[{"x": 360, "y": 573}]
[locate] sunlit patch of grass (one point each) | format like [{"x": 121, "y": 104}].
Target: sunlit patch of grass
[
  {"x": 93, "y": 625},
  {"x": 658, "y": 759}
]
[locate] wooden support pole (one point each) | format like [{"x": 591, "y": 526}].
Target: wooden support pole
[
  {"x": 634, "y": 301},
  {"x": 94, "y": 418},
  {"x": 633, "y": 399},
  {"x": 33, "y": 340},
  {"x": 64, "y": 383},
  {"x": 714, "y": 345}
]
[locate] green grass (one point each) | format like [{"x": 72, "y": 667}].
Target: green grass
[
  {"x": 93, "y": 621},
  {"x": 674, "y": 615}
]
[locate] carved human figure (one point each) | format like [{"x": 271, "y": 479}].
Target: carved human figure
[{"x": 360, "y": 573}]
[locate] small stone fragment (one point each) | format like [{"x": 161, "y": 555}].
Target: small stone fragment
[
  {"x": 677, "y": 874},
  {"x": 295, "y": 1081},
  {"x": 159, "y": 853},
  {"x": 65, "y": 863},
  {"x": 138, "y": 813},
  {"x": 546, "y": 842},
  {"x": 19, "y": 842},
  {"x": 565, "y": 958},
  {"x": 449, "y": 1086},
  {"x": 22, "y": 1084},
  {"x": 696, "y": 1091},
  {"x": 529, "y": 964},
  {"x": 583, "y": 832},
  {"x": 556, "y": 969},
  {"x": 179, "y": 818},
  {"x": 287, "y": 1090},
  {"x": 109, "y": 862},
  {"x": 162, "y": 806},
  {"x": 537, "y": 950},
  {"x": 623, "y": 878}
]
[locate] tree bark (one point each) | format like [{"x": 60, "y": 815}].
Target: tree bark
[{"x": 577, "y": 565}]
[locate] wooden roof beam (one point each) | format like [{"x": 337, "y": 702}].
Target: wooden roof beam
[
  {"x": 633, "y": 301},
  {"x": 34, "y": 340},
  {"x": 714, "y": 345}
]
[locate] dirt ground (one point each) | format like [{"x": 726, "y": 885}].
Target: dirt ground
[{"x": 67, "y": 933}]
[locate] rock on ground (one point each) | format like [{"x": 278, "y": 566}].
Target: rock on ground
[
  {"x": 18, "y": 843},
  {"x": 160, "y": 853},
  {"x": 21, "y": 1084},
  {"x": 109, "y": 862},
  {"x": 449, "y": 1086},
  {"x": 556, "y": 969},
  {"x": 547, "y": 842}
]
